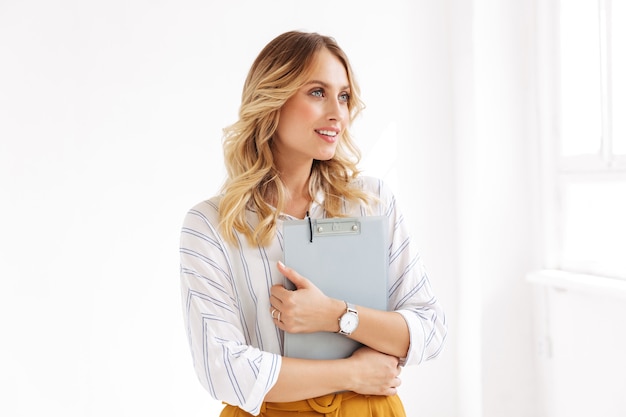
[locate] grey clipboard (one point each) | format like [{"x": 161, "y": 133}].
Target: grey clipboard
[{"x": 348, "y": 259}]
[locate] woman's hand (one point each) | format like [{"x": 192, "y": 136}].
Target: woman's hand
[
  {"x": 306, "y": 309},
  {"x": 376, "y": 373}
]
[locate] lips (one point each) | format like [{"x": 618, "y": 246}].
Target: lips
[
  {"x": 329, "y": 134},
  {"x": 325, "y": 132}
]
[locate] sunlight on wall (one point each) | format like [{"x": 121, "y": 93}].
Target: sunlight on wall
[{"x": 382, "y": 160}]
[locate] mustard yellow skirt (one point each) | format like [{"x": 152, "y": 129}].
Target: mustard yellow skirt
[{"x": 347, "y": 404}]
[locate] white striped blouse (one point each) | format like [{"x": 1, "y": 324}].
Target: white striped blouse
[{"x": 235, "y": 346}]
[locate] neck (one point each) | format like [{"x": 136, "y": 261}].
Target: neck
[{"x": 298, "y": 198}]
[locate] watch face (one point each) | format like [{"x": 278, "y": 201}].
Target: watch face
[{"x": 348, "y": 323}]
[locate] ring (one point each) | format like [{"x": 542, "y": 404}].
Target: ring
[
  {"x": 274, "y": 311},
  {"x": 278, "y": 318}
]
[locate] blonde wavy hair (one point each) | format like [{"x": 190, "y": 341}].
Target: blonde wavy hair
[{"x": 253, "y": 181}]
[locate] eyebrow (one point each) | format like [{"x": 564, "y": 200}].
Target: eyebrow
[{"x": 325, "y": 85}]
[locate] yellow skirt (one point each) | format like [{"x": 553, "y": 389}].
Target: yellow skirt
[{"x": 347, "y": 404}]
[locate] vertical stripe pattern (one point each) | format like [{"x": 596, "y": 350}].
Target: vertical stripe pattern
[{"x": 235, "y": 346}]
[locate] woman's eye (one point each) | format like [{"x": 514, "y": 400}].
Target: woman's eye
[
  {"x": 344, "y": 97},
  {"x": 317, "y": 93}
]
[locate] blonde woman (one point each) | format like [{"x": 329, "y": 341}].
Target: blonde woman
[{"x": 290, "y": 155}]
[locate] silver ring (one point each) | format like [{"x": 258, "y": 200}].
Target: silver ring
[
  {"x": 274, "y": 311},
  {"x": 278, "y": 318}
]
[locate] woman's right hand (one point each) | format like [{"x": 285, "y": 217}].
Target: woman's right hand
[{"x": 376, "y": 373}]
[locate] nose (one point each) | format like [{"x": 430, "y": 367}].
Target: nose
[{"x": 336, "y": 110}]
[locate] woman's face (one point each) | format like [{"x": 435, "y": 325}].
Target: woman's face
[{"x": 312, "y": 120}]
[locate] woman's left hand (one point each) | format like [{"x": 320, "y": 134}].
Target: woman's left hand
[{"x": 306, "y": 309}]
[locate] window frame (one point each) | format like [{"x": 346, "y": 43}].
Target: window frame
[{"x": 558, "y": 170}]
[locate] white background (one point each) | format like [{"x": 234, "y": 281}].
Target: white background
[{"x": 110, "y": 129}]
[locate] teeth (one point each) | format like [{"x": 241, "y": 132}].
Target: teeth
[{"x": 327, "y": 132}]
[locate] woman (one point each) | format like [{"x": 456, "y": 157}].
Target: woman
[{"x": 290, "y": 155}]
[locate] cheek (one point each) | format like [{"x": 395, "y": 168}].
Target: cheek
[
  {"x": 297, "y": 116},
  {"x": 304, "y": 111}
]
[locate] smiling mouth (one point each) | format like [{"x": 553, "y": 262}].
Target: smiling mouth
[{"x": 330, "y": 133}]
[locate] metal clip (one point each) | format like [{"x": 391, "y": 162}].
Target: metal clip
[{"x": 336, "y": 226}]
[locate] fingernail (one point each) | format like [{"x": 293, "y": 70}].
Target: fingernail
[{"x": 282, "y": 265}]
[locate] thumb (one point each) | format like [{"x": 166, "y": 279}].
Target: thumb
[{"x": 298, "y": 280}]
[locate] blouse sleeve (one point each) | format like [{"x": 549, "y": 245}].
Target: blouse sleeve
[
  {"x": 410, "y": 292},
  {"x": 228, "y": 367}
]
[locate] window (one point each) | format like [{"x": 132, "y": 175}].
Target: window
[{"x": 584, "y": 135}]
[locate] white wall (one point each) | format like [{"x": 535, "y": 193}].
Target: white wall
[
  {"x": 110, "y": 128},
  {"x": 496, "y": 165},
  {"x": 585, "y": 365},
  {"x": 580, "y": 336}
]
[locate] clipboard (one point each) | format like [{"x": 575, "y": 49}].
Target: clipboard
[{"x": 346, "y": 258}]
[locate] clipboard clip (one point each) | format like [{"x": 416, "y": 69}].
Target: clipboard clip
[{"x": 332, "y": 227}]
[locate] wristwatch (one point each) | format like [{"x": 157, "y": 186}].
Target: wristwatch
[{"x": 349, "y": 320}]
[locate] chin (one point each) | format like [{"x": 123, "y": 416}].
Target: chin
[
  {"x": 325, "y": 158},
  {"x": 326, "y": 155}
]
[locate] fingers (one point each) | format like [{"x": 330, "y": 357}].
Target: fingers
[
  {"x": 379, "y": 373},
  {"x": 282, "y": 298},
  {"x": 281, "y": 303},
  {"x": 303, "y": 310},
  {"x": 276, "y": 315},
  {"x": 280, "y": 292},
  {"x": 283, "y": 268},
  {"x": 298, "y": 280}
]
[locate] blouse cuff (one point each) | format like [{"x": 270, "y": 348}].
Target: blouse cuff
[
  {"x": 415, "y": 353},
  {"x": 268, "y": 375}
]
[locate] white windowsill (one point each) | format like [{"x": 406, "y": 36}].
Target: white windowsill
[{"x": 590, "y": 284}]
